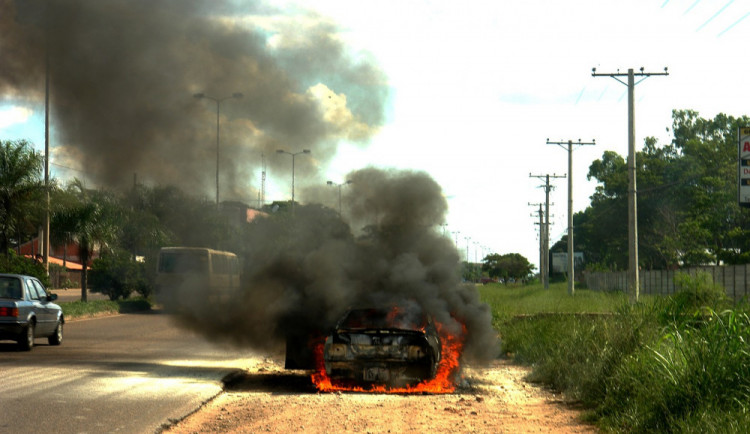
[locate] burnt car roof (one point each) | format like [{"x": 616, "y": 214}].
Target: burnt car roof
[{"x": 383, "y": 318}]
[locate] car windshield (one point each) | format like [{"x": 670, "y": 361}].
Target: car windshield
[
  {"x": 10, "y": 287},
  {"x": 382, "y": 319}
]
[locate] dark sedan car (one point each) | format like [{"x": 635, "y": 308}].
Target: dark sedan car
[
  {"x": 389, "y": 346},
  {"x": 27, "y": 312}
]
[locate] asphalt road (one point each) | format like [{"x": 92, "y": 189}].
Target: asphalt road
[{"x": 127, "y": 373}]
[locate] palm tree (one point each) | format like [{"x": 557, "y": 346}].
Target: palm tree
[
  {"x": 89, "y": 223},
  {"x": 21, "y": 186}
]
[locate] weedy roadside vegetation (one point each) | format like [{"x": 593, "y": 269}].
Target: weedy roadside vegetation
[
  {"x": 666, "y": 364},
  {"x": 80, "y": 309}
]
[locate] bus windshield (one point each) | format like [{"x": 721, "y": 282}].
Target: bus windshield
[{"x": 183, "y": 262}]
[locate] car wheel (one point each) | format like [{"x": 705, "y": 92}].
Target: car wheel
[
  {"x": 57, "y": 337},
  {"x": 26, "y": 340}
]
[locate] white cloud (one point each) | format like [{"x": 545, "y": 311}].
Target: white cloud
[
  {"x": 336, "y": 113},
  {"x": 14, "y": 115},
  {"x": 479, "y": 86}
]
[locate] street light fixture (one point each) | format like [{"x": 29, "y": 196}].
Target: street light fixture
[
  {"x": 218, "y": 101},
  {"x": 331, "y": 183},
  {"x": 293, "y": 154}
]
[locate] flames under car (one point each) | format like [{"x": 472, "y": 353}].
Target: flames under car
[{"x": 389, "y": 346}]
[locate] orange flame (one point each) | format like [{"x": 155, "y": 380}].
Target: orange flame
[{"x": 451, "y": 346}]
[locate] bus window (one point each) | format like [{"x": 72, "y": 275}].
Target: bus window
[
  {"x": 187, "y": 261},
  {"x": 197, "y": 274}
]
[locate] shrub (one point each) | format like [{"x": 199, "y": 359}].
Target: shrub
[
  {"x": 15, "y": 264},
  {"x": 117, "y": 276}
]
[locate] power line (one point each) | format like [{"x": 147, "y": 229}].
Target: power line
[{"x": 69, "y": 168}]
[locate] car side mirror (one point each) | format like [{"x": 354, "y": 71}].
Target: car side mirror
[{"x": 52, "y": 297}]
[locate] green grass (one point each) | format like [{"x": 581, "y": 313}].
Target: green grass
[
  {"x": 673, "y": 364},
  {"x": 79, "y": 309},
  {"x": 508, "y": 302}
]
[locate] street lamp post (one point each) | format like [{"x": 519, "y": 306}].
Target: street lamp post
[
  {"x": 293, "y": 154},
  {"x": 218, "y": 102},
  {"x": 331, "y": 183}
]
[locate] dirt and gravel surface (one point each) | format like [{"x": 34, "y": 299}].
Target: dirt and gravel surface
[{"x": 492, "y": 399}]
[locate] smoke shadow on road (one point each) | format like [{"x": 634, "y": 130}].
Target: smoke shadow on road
[{"x": 279, "y": 383}]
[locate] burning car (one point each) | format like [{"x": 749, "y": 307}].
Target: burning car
[{"x": 391, "y": 346}]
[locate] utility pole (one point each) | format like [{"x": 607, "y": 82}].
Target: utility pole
[
  {"x": 476, "y": 270},
  {"x": 547, "y": 189},
  {"x": 218, "y": 102},
  {"x": 46, "y": 251},
  {"x": 262, "y": 200},
  {"x": 571, "y": 261},
  {"x": 542, "y": 235},
  {"x": 633, "y": 283}
]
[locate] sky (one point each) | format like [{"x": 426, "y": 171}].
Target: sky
[{"x": 477, "y": 88}]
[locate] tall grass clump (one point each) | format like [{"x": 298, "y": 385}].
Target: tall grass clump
[
  {"x": 577, "y": 353},
  {"x": 666, "y": 364},
  {"x": 571, "y": 342},
  {"x": 695, "y": 377}
]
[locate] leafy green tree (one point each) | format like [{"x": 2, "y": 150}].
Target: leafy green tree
[
  {"x": 188, "y": 221},
  {"x": 507, "y": 266},
  {"x": 712, "y": 214},
  {"x": 470, "y": 271},
  {"x": 140, "y": 232},
  {"x": 687, "y": 200},
  {"x": 21, "y": 189}
]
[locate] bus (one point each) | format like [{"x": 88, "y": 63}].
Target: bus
[{"x": 195, "y": 275}]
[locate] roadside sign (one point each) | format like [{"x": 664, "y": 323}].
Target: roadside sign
[{"x": 743, "y": 167}]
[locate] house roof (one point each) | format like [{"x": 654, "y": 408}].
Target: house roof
[{"x": 69, "y": 265}]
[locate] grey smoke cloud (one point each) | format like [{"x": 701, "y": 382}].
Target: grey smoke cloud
[
  {"x": 123, "y": 73},
  {"x": 302, "y": 273}
]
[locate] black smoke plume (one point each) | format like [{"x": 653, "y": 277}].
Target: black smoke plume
[
  {"x": 304, "y": 271},
  {"x": 122, "y": 78},
  {"x": 123, "y": 74}
]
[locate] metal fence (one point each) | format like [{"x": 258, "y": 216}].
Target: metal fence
[
  {"x": 734, "y": 278},
  {"x": 60, "y": 278}
]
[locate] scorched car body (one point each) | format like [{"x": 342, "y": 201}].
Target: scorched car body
[{"x": 386, "y": 346}]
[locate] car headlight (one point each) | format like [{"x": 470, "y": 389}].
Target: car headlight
[
  {"x": 336, "y": 351},
  {"x": 416, "y": 352}
]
